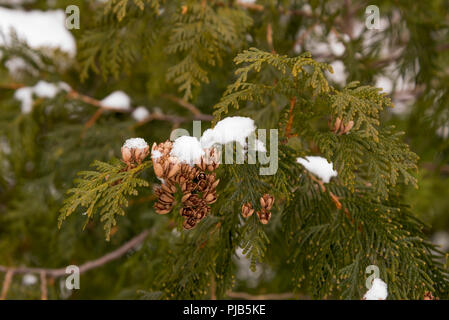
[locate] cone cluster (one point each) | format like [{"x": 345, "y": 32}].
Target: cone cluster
[
  {"x": 339, "y": 127},
  {"x": 198, "y": 183},
  {"x": 264, "y": 214}
]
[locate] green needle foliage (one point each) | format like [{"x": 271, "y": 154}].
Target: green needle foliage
[
  {"x": 202, "y": 35},
  {"x": 105, "y": 191},
  {"x": 189, "y": 60}
]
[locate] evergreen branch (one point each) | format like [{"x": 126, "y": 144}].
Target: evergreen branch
[
  {"x": 120, "y": 7},
  {"x": 200, "y": 35},
  {"x": 254, "y": 242},
  {"x": 105, "y": 191},
  {"x": 291, "y": 75}
]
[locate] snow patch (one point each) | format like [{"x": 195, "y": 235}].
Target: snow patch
[
  {"x": 135, "y": 143},
  {"x": 46, "y": 89},
  {"x": 339, "y": 76},
  {"x": 260, "y": 146},
  {"x": 25, "y": 96},
  {"x": 228, "y": 130},
  {"x": 441, "y": 239},
  {"x": 140, "y": 114},
  {"x": 38, "y": 28},
  {"x": 443, "y": 131},
  {"x": 15, "y": 65},
  {"x": 15, "y": 2},
  {"x": 29, "y": 279},
  {"x": 378, "y": 291},
  {"x": 385, "y": 84},
  {"x": 319, "y": 166},
  {"x": 117, "y": 100},
  {"x": 42, "y": 89},
  {"x": 336, "y": 46},
  {"x": 156, "y": 154},
  {"x": 187, "y": 149}
]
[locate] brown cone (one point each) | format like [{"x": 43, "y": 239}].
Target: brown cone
[
  {"x": 264, "y": 216},
  {"x": 247, "y": 210},
  {"x": 189, "y": 223},
  {"x": 266, "y": 202}
]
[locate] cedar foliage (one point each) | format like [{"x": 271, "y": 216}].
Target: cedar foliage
[{"x": 216, "y": 55}]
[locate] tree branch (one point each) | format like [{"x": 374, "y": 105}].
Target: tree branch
[
  {"x": 197, "y": 115},
  {"x": 94, "y": 102},
  {"x": 55, "y": 273}
]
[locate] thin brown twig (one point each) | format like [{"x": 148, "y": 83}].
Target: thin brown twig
[
  {"x": 11, "y": 86},
  {"x": 197, "y": 115},
  {"x": 187, "y": 105},
  {"x": 6, "y": 283},
  {"x": 94, "y": 102},
  {"x": 270, "y": 38},
  {"x": 93, "y": 119},
  {"x": 44, "y": 292},
  {"x": 320, "y": 183},
  {"x": 55, "y": 273},
  {"x": 289, "y": 125},
  {"x": 336, "y": 200},
  {"x": 213, "y": 285},
  {"x": 217, "y": 226}
]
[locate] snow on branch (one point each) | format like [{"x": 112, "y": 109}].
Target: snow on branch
[
  {"x": 378, "y": 291},
  {"x": 319, "y": 166}
]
